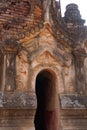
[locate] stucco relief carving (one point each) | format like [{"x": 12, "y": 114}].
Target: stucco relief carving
[
  {"x": 79, "y": 56},
  {"x": 69, "y": 74},
  {"x": 69, "y": 80},
  {"x": 85, "y": 74},
  {"x": 22, "y": 67},
  {"x": 17, "y": 99},
  {"x": 68, "y": 101},
  {"x": 45, "y": 58},
  {"x": 1, "y": 68},
  {"x": 10, "y": 72}
]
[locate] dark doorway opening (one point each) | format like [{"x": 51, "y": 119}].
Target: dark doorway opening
[{"x": 46, "y": 101}]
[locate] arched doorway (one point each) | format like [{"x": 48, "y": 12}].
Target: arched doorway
[{"x": 46, "y": 117}]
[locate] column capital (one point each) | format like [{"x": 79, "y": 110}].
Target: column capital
[
  {"x": 79, "y": 54},
  {"x": 10, "y": 46}
]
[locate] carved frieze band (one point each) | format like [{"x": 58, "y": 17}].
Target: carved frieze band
[
  {"x": 18, "y": 100},
  {"x": 73, "y": 101}
]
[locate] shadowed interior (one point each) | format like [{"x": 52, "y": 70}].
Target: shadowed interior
[{"x": 45, "y": 90}]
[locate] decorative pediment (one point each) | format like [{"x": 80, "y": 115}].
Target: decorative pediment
[
  {"x": 45, "y": 32},
  {"x": 45, "y": 38},
  {"x": 45, "y": 58}
]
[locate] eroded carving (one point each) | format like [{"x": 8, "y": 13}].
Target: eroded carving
[
  {"x": 22, "y": 69},
  {"x": 73, "y": 101},
  {"x": 79, "y": 56},
  {"x": 10, "y": 72},
  {"x": 17, "y": 99},
  {"x": 9, "y": 49}
]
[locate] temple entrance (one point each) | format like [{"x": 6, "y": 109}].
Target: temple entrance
[{"x": 46, "y": 117}]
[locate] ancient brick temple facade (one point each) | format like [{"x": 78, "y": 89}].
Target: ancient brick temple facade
[{"x": 43, "y": 66}]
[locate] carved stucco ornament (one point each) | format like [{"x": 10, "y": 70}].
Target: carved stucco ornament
[
  {"x": 9, "y": 49},
  {"x": 79, "y": 57}
]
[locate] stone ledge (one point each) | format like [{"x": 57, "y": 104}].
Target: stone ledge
[
  {"x": 73, "y": 101},
  {"x": 74, "y": 123},
  {"x": 14, "y": 100}
]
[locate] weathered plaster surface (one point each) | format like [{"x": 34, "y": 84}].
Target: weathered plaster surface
[{"x": 37, "y": 39}]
